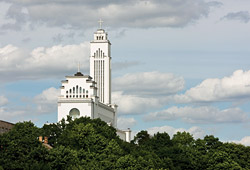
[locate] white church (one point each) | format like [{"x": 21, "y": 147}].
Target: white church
[{"x": 90, "y": 95}]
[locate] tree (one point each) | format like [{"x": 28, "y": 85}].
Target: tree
[
  {"x": 142, "y": 138},
  {"x": 20, "y": 148},
  {"x": 221, "y": 160}
]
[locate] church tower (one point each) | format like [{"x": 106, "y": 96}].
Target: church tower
[
  {"x": 90, "y": 96},
  {"x": 100, "y": 64}
]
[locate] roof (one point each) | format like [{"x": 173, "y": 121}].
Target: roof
[{"x": 78, "y": 74}]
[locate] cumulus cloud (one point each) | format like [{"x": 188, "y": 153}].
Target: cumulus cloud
[
  {"x": 43, "y": 103},
  {"x": 244, "y": 141},
  {"x": 132, "y": 104},
  {"x": 138, "y": 93},
  {"x": 243, "y": 16},
  {"x": 124, "y": 64},
  {"x": 197, "y": 132},
  {"x": 12, "y": 115},
  {"x": 125, "y": 123},
  {"x": 142, "y": 13},
  {"x": 3, "y": 100},
  {"x": 47, "y": 100},
  {"x": 57, "y": 61},
  {"x": 233, "y": 88},
  {"x": 204, "y": 114},
  {"x": 149, "y": 83}
]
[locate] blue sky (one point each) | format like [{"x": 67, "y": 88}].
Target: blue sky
[{"x": 177, "y": 65}]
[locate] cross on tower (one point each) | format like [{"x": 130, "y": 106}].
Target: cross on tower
[
  {"x": 100, "y": 22},
  {"x": 78, "y": 66}
]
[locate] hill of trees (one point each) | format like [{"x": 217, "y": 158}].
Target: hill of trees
[{"x": 92, "y": 144}]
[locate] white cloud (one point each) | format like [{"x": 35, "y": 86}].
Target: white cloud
[
  {"x": 72, "y": 13},
  {"x": 243, "y": 16},
  {"x": 132, "y": 104},
  {"x": 44, "y": 103},
  {"x": 244, "y": 141},
  {"x": 124, "y": 64},
  {"x": 3, "y": 100},
  {"x": 149, "y": 83},
  {"x": 47, "y": 100},
  {"x": 233, "y": 88},
  {"x": 138, "y": 93},
  {"x": 203, "y": 114},
  {"x": 197, "y": 132},
  {"x": 125, "y": 123},
  {"x": 56, "y": 61},
  {"x": 10, "y": 115}
]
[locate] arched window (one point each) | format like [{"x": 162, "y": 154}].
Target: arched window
[
  {"x": 87, "y": 93},
  {"x": 74, "y": 113},
  {"x": 66, "y": 92},
  {"x": 73, "y": 89},
  {"x": 80, "y": 90},
  {"x": 70, "y": 91}
]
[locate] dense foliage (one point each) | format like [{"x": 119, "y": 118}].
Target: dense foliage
[{"x": 92, "y": 144}]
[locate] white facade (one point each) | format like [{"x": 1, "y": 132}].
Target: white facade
[
  {"x": 78, "y": 98},
  {"x": 90, "y": 96},
  {"x": 100, "y": 65}
]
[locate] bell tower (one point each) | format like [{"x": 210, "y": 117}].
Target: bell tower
[{"x": 100, "y": 64}]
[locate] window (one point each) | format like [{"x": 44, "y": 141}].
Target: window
[
  {"x": 76, "y": 89},
  {"x": 74, "y": 113},
  {"x": 80, "y": 90},
  {"x": 73, "y": 89},
  {"x": 87, "y": 93}
]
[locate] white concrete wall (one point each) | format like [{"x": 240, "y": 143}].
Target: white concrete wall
[
  {"x": 107, "y": 115},
  {"x": 105, "y": 47},
  {"x": 64, "y": 108},
  {"x": 73, "y": 82},
  {"x": 121, "y": 134}
]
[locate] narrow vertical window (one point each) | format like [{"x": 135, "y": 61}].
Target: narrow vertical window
[{"x": 83, "y": 93}]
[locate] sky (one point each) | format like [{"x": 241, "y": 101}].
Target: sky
[{"x": 177, "y": 65}]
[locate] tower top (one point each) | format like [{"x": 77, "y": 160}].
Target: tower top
[{"x": 100, "y": 23}]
